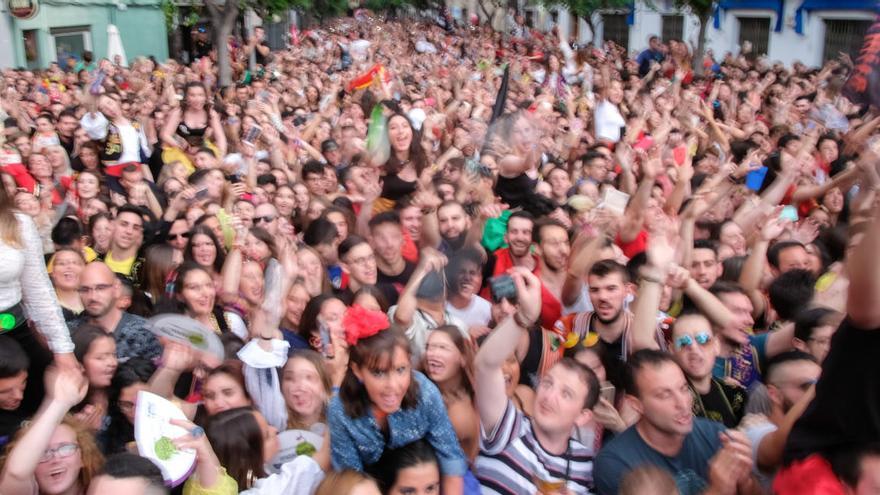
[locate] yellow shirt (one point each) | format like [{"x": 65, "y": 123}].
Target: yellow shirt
[{"x": 119, "y": 266}]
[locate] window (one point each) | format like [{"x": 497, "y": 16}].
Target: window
[
  {"x": 529, "y": 18},
  {"x": 575, "y": 30},
  {"x": 70, "y": 42},
  {"x": 277, "y": 34},
  {"x": 673, "y": 27},
  {"x": 845, "y": 36},
  {"x": 615, "y": 29},
  {"x": 756, "y": 30}
]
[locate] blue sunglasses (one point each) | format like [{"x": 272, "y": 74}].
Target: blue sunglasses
[{"x": 701, "y": 338}]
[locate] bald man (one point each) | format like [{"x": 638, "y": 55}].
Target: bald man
[{"x": 100, "y": 289}]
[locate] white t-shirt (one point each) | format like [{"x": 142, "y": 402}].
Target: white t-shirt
[
  {"x": 608, "y": 121},
  {"x": 477, "y": 313}
]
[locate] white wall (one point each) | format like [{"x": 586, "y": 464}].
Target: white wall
[{"x": 786, "y": 46}]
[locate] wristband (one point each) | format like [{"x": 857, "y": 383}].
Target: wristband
[{"x": 646, "y": 276}]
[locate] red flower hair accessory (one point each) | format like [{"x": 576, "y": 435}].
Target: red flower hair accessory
[{"x": 360, "y": 323}]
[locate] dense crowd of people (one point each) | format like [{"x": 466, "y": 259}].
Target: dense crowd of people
[{"x": 461, "y": 260}]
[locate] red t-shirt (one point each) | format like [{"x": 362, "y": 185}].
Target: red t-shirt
[{"x": 636, "y": 246}]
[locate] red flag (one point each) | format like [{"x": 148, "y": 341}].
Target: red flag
[{"x": 863, "y": 85}]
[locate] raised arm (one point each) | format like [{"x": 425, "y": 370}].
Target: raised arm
[
  {"x": 489, "y": 379},
  {"x": 431, "y": 260},
  {"x": 64, "y": 388},
  {"x": 864, "y": 275},
  {"x": 662, "y": 244}
]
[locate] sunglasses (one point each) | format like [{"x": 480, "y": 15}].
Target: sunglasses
[
  {"x": 174, "y": 237},
  {"x": 267, "y": 219},
  {"x": 701, "y": 338},
  {"x": 589, "y": 340}
]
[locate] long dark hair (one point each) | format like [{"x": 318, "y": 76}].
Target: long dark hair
[
  {"x": 374, "y": 354},
  {"x": 120, "y": 432},
  {"x": 237, "y": 440},
  {"x": 416, "y": 153},
  {"x": 205, "y": 230},
  {"x": 83, "y": 338},
  {"x": 185, "y": 102},
  {"x": 308, "y": 322}
]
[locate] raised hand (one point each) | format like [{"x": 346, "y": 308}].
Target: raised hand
[
  {"x": 528, "y": 293},
  {"x": 179, "y": 357},
  {"x": 67, "y": 386}
]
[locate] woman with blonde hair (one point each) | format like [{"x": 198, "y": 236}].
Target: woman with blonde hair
[
  {"x": 25, "y": 288},
  {"x": 55, "y": 454}
]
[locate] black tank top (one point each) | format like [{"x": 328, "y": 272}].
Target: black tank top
[
  {"x": 394, "y": 188},
  {"x": 514, "y": 191}
]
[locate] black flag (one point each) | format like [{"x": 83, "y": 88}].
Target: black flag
[{"x": 501, "y": 99}]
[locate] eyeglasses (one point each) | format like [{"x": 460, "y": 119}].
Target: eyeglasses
[
  {"x": 701, "y": 338},
  {"x": 85, "y": 290},
  {"x": 174, "y": 237},
  {"x": 61, "y": 451},
  {"x": 267, "y": 219}
]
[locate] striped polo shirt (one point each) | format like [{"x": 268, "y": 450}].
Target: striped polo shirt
[{"x": 512, "y": 461}]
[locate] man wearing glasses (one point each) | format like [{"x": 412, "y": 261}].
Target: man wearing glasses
[
  {"x": 100, "y": 291},
  {"x": 695, "y": 348},
  {"x": 266, "y": 217}
]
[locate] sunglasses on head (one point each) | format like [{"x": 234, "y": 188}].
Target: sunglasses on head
[{"x": 701, "y": 338}]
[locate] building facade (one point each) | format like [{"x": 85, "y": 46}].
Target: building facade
[
  {"x": 59, "y": 29},
  {"x": 809, "y": 31}
]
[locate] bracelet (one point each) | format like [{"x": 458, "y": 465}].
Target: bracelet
[
  {"x": 520, "y": 321},
  {"x": 650, "y": 277}
]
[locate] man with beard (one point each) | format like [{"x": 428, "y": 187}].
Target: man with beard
[
  {"x": 699, "y": 454},
  {"x": 454, "y": 224},
  {"x": 553, "y": 249},
  {"x": 695, "y": 348},
  {"x": 518, "y": 237},
  {"x": 790, "y": 378},
  {"x": 100, "y": 290}
]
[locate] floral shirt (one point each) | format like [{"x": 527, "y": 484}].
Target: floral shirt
[{"x": 359, "y": 442}]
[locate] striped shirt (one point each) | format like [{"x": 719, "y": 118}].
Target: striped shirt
[{"x": 512, "y": 460}]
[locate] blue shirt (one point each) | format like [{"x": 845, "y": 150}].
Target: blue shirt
[
  {"x": 689, "y": 468},
  {"x": 359, "y": 442}
]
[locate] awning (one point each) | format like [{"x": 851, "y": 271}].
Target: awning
[
  {"x": 774, "y": 5},
  {"x": 810, "y": 5}
]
